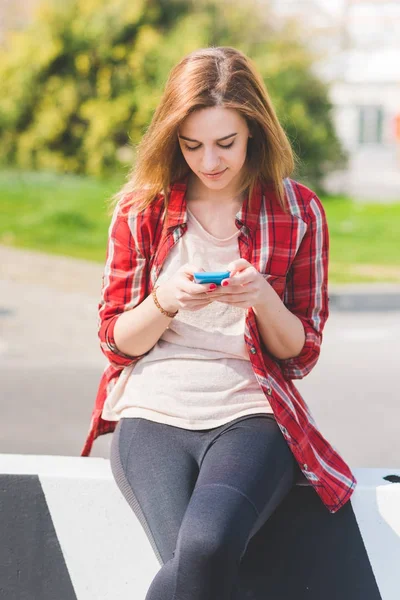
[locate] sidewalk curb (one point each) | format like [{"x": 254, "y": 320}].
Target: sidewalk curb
[
  {"x": 365, "y": 297},
  {"x": 83, "y": 276}
]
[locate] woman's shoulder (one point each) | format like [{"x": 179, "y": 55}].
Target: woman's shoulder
[
  {"x": 138, "y": 227},
  {"x": 299, "y": 197},
  {"x": 130, "y": 207}
]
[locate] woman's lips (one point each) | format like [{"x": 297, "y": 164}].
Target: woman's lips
[{"x": 215, "y": 175}]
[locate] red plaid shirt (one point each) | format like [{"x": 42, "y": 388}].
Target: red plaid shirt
[{"x": 291, "y": 251}]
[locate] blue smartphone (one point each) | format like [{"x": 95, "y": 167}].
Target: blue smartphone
[{"x": 211, "y": 276}]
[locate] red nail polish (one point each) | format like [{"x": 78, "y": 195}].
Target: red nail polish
[
  {"x": 212, "y": 286},
  {"x": 224, "y": 283}
]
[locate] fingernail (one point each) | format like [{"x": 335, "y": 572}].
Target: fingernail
[
  {"x": 225, "y": 283},
  {"x": 212, "y": 286}
]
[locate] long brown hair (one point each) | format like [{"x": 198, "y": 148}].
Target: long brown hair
[{"x": 216, "y": 76}]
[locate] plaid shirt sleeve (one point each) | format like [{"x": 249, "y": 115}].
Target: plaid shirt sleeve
[
  {"x": 123, "y": 287},
  {"x": 306, "y": 293}
]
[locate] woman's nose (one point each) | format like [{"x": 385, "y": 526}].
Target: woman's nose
[{"x": 211, "y": 161}]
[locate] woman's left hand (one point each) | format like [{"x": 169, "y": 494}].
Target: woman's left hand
[{"x": 246, "y": 286}]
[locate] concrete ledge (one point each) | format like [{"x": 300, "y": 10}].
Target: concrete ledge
[
  {"x": 67, "y": 533},
  {"x": 363, "y": 297}
]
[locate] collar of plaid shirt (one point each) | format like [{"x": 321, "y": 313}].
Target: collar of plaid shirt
[{"x": 291, "y": 251}]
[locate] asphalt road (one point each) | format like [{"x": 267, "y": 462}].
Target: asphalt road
[{"x": 50, "y": 366}]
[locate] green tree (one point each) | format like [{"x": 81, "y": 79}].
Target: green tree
[{"x": 80, "y": 85}]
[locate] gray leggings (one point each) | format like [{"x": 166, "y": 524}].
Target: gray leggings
[{"x": 200, "y": 495}]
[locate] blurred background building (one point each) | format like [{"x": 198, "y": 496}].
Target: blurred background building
[{"x": 359, "y": 44}]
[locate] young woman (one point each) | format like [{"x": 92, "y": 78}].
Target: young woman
[{"x": 211, "y": 433}]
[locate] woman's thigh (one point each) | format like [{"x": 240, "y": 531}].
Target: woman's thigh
[
  {"x": 251, "y": 457},
  {"x": 157, "y": 475}
]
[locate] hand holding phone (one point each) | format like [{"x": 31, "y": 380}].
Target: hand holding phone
[{"x": 181, "y": 291}]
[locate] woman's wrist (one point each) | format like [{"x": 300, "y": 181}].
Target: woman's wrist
[{"x": 165, "y": 300}]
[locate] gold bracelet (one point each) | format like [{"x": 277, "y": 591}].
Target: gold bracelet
[{"x": 164, "y": 312}]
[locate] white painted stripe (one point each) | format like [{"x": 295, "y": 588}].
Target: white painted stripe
[
  {"x": 376, "y": 505},
  {"x": 93, "y": 520}
]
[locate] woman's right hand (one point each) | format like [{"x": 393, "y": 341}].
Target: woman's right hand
[{"x": 180, "y": 291}]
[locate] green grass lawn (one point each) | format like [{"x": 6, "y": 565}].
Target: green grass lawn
[
  {"x": 58, "y": 214},
  {"x": 67, "y": 215}
]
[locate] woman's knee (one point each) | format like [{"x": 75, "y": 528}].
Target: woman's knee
[
  {"x": 207, "y": 547},
  {"x": 216, "y": 524}
]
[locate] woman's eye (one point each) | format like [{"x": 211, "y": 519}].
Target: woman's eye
[{"x": 190, "y": 149}]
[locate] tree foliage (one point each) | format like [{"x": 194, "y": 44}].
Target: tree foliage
[{"x": 81, "y": 83}]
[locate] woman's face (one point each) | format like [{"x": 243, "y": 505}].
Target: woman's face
[{"x": 212, "y": 140}]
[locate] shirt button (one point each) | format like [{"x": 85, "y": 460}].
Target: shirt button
[
  {"x": 305, "y": 467},
  {"x": 269, "y": 391},
  {"x": 253, "y": 350}
]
